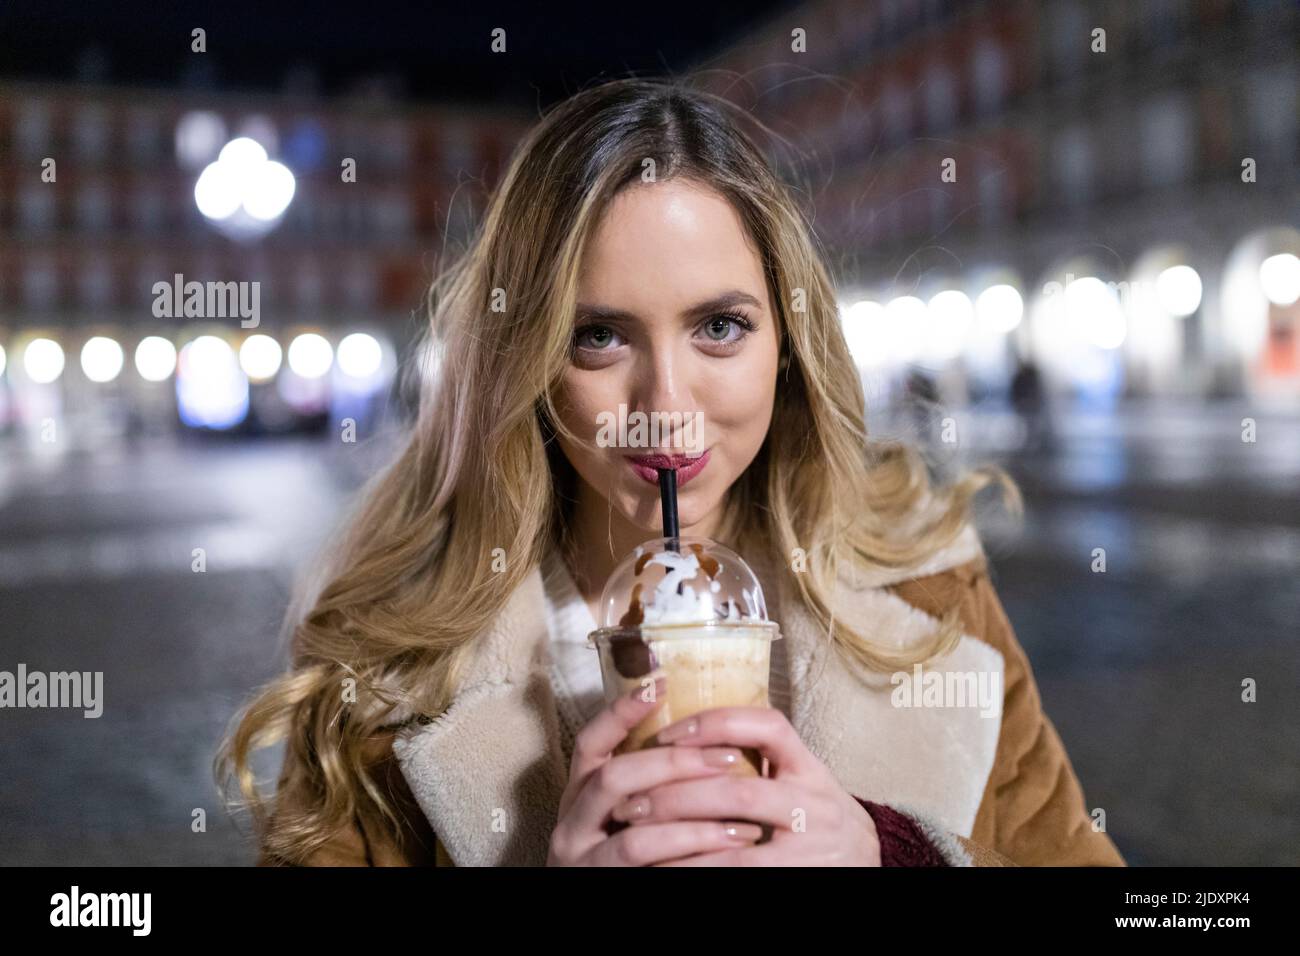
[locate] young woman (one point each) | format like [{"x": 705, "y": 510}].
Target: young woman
[{"x": 442, "y": 706}]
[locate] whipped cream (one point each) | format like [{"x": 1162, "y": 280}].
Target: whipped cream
[{"x": 695, "y": 603}]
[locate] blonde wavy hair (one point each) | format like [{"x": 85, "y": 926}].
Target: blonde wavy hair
[{"x": 409, "y": 581}]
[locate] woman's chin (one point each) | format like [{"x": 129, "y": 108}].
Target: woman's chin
[
  {"x": 687, "y": 520},
  {"x": 645, "y": 513},
  {"x": 651, "y": 526}
]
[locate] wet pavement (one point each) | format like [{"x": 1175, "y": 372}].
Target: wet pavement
[{"x": 1139, "y": 667}]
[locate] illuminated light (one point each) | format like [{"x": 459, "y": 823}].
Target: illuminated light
[
  {"x": 43, "y": 361},
  {"x": 242, "y": 155},
  {"x": 198, "y": 135},
  {"x": 155, "y": 358},
  {"x": 864, "y": 331},
  {"x": 243, "y": 190},
  {"x": 360, "y": 355},
  {"x": 101, "y": 359},
  {"x": 260, "y": 357},
  {"x": 2, "y": 359},
  {"x": 211, "y": 389},
  {"x": 1093, "y": 309},
  {"x": 218, "y": 193},
  {"x": 999, "y": 308},
  {"x": 310, "y": 355},
  {"x": 905, "y": 327},
  {"x": 1279, "y": 277},
  {"x": 951, "y": 315},
  {"x": 269, "y": 192},
  {"x": 1178, "y": 290}
]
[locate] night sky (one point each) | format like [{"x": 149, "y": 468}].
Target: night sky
[{"x": 419, "y": 51}]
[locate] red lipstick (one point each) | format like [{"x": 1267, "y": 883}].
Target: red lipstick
[{"x": 686, "y": 467}]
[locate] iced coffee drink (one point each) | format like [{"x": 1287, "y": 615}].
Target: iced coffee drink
[{"x": 693, "y": 613}]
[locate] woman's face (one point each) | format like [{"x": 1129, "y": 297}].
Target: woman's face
[{"x": 673, "y": 316}]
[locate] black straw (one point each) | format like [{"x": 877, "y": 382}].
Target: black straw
[{"x": 668, "y": 500}]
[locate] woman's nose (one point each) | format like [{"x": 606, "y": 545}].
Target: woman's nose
[
  {"x": 662, "y": 378},
  {"x": 665, "y": 384}
]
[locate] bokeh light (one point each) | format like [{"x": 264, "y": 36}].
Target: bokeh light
[
  {"x": 999, "y": 308},
  {"x": 1279, "y": 277},
  {"x": 1178, "y": 289},
  {"x": 360, "y": 355},
  {"x": 260, "y": 357},
  {"x": 155, "y": 358},
  {"x": 101, "y": 359},
  {"x": 43, "y": 360},
  {"x": 211, "y": 388},
  {"x": 310, "y": 355}
]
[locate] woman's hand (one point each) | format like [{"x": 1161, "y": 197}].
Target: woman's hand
[
  {"x": 815, "y": 822},
  {"x": 598, "y": 781}
]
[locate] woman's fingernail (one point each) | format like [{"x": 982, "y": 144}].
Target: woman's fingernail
[
  {"x": 677, "y": 731},
  {"x": 743, "y": 832},
  {"x": 721, "y": 758},
  {"x": 633, "y": 809}
]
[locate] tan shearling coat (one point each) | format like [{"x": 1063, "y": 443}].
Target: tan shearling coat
[{"x": 480, "y": 783}]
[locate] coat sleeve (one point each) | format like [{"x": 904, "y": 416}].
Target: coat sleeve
[
  {"x": 1033, "y": 811},
  {"x": 910, "y": 838},
  {"x": 375, "y": 844}
]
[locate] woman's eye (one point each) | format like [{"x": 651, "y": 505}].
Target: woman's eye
[
  {"x": 594, "y": 337},
  {"x": 727, "y": 329}
]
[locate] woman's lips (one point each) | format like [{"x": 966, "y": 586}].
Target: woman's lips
[{"x": 646, "y": 466}]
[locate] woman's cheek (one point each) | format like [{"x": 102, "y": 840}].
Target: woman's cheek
[
  {"x": 742, "y": 412},
  {"x": 582, "y": 416}
]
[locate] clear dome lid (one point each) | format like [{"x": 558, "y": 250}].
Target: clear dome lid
[{"x": 699, "y": 582}]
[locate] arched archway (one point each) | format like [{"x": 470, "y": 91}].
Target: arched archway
[{"x": 1260, "y": 329}]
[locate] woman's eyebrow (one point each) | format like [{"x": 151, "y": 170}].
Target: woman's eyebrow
[{"x": 725, "y": 300}]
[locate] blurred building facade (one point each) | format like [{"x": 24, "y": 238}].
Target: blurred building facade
[
  {"x": 98, "y": 206},
  {"x": 1106, "y": 192},
  {"x": 1128, "y": 169}
]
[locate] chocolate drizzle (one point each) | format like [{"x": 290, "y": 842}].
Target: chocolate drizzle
[
  {"x": 635, "y": 612},
  {"x": 708, "y": 565},
  {"x": 631, "y": 655}
]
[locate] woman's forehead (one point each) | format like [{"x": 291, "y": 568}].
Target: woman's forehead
[{"x": 673, "y": 243}]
